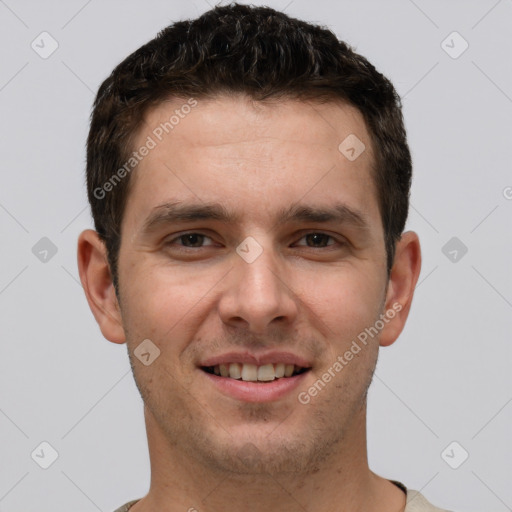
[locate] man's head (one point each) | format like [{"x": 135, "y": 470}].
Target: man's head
[
  {"x": 238, "y": 49},
  {"x": 257, "y": 226}
]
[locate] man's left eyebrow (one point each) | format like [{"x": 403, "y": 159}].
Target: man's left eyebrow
[{"x": 339, "y": 213}]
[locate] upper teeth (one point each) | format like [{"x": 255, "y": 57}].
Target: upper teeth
[{"x": 252, "y": 372}]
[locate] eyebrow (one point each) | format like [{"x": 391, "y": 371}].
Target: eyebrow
[{"x": 176, "y": 212}]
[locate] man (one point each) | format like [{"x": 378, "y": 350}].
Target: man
[{"x": 249, "y": 176}]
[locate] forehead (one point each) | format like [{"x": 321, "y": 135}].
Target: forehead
[
  {"x": 254, "y": 156},
  {"x": 237, "y": 118}
]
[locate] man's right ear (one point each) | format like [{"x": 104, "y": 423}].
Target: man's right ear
[{"x": 97, "y": 283}]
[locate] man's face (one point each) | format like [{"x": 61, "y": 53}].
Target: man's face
[{"x": 315, "y": 284}]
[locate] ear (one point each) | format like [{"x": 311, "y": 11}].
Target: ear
[
  {"x": 402, "y": 282},
  {"x": 98, "y": 286}
]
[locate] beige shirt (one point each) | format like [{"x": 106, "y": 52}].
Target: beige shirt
[{"x": 415, "y": 502}]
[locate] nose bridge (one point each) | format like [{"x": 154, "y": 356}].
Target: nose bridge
[
  {"x": 256, "y": 294},
  {"x": 261, "y": 273}
]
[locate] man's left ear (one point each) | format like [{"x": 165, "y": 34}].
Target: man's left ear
[{"x": 402, "y": 282}]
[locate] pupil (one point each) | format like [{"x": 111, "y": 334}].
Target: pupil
[
  {"x": 193, "y": 239},
  {"x": 317, "y": 238}
]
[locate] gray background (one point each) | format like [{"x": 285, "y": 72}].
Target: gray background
[{"x": 448, "y": 376}]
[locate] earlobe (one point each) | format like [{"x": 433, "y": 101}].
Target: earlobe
[
  {"x": 97, "y": 282},
  {"x": 402, "y": 282}
]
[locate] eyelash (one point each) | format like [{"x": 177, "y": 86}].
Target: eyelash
[{"x": 339, "y": 242}]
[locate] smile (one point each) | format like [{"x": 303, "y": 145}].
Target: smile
[{"x": 253, "y": 373}]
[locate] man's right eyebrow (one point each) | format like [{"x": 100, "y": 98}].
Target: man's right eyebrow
[{"x": 175, "y": 212}]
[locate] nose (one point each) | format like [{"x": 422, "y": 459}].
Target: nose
[{"x": 258, "y": 295}]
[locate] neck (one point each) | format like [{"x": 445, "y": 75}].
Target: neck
[{"x": 341, "y": 481}]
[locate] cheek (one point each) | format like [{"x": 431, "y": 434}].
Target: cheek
[
  {"x": 162, "y": 307},
  {"x": 161, "y": 303},
  {"x": 345, "y": 301}
]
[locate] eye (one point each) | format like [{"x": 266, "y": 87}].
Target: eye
[
  {"x": 317, "y": 240},
  {"x": 192, "y": 240}
]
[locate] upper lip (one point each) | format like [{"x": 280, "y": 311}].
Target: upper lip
[{"x": 272, "y": 357}]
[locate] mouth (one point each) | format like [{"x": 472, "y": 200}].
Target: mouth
[
  {"x": 256, "y": 377},
  {"x": 262, "y": 374}
]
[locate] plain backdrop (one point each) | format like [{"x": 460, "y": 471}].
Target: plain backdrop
[{"x": 440, "y": 406}]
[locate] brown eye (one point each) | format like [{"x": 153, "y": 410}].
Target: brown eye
[
  {"x": 192, "y": 240},
  {"x": 317, "y": 240}
]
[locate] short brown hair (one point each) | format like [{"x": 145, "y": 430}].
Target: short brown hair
[{"x": 244, "y": 49}]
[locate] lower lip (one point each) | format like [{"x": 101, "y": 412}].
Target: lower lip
[{"x": 255, "y": 391}]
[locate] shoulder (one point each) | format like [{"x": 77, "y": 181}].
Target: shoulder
[
  {"x": 416, "y": 502},
  {"x": 126, "y": 506}
]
